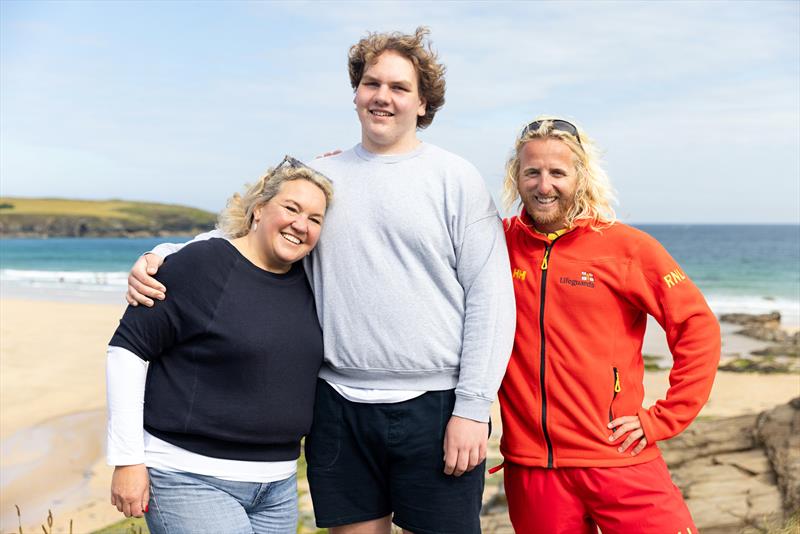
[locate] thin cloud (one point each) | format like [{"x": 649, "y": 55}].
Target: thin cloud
[{"x": 129, "y": 99}]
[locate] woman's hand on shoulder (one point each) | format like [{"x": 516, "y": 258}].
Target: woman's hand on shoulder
[{"x": 130, "y": 489}]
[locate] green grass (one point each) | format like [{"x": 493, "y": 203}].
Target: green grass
[
  {"x": 128, "y": 525},
  {"x": 651, "y": 362},
  {"x": 66, "y": 217},
  {"x": 790, "y": 526},
  {"x": 118, "y": 209}
]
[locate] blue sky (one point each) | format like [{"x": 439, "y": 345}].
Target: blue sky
[{"x": 696, "y": 104}]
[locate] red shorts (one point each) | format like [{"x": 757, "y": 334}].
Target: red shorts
[{"x": 576, "y": 500}]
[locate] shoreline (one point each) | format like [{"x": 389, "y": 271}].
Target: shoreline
[
  {"x": 52, "y": 413},
  {"x": 109, "y": 287},
  {"x": 52, "y": 405}
]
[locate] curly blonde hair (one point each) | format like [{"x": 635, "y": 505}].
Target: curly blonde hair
[
  {"x": 593, "y": 194},
  {"x": 417, "y": 49},
  {"x": 237, "y": 217}
]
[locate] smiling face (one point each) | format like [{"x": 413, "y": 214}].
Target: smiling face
[
  {"x": 547, "y": 182},
  {"x": 289, "y": 224},
  {"x": 388, "y": 103}
]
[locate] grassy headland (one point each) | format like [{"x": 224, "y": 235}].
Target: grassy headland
[{"x": 57, "y": 217}]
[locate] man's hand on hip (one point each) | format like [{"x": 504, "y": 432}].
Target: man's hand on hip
[
  {"x": 464, "y": 445},
  {"x": 632, "y": 426}
]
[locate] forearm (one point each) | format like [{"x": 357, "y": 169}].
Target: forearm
[
  {"x": 489, "y": 318},
  {"x": 125, "y": 382},
  {"x": 693, "y": 336},
  {"x": 695, "y": 344}
]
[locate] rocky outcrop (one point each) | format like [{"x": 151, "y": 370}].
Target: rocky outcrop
[
  {"x": 778, "y": 431},
  {"x": 85, "y": 226},
  {"x": 739, "y": 474},
  {"x": 770, "y": 320},
  {"x": 765, "y": 365},
  {"x": 765, "y": 333},
  {"x": 781, "y": 356}
]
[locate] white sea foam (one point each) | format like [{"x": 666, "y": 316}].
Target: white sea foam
[
  {"x": 93, "y": 282},
  {"x": 73, "y": 280}
]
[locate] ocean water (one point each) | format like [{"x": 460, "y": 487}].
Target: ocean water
[
  {"x": 739, "y": 268},
  {"x": 85, "y": 269}
]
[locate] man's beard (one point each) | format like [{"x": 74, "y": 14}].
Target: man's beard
[{"x": 548, "y": 216}]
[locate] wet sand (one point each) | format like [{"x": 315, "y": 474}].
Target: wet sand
[
  {"x": 52, "y": 414},
  {"x": 52, "y": 409}
]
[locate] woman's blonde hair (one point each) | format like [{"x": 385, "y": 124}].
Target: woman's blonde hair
[
  {"x": 417, "y": 49},
  {"x": 593, "y": 194},
  {"x": 237, "y": 217}
]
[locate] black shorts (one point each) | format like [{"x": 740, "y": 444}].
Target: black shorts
[{"x": 366, "y": 461}]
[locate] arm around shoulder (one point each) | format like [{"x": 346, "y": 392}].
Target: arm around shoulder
[
  {"x": 195, "y": 276},
  {"x": 143, "y": 288}
]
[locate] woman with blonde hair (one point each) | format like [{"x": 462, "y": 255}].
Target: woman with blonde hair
[{"x": 211, "y": 390}]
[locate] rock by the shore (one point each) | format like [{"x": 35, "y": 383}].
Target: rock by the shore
[
  {"x": 791, "y": 350},
  {"x": 773, "y": 334},
  {"x": 778, "y": 357},
  {"x": 766, "y": 365},
  {"x": 739, "y": 474},
  {"x": 768, "y": 320},
  {"x": 778, "y": 431},
  {"x": 71, "y": 226}
]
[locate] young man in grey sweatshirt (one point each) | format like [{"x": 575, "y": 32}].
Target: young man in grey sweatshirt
[{"x": 413, "y": 290}]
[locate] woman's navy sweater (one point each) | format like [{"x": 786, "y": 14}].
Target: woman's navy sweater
[{"x": 234, "y": 353}]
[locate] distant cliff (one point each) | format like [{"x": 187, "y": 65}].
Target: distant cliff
[{"x": 56, "y": 217}]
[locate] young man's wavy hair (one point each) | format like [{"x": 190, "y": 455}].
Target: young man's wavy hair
[
  {"x": 236, "y": 219},
  {"x": 417, "y": 49},
  {"x": 593, "y": 194}
]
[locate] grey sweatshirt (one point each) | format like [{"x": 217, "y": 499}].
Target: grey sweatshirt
[{"x": 411, "y": 277}]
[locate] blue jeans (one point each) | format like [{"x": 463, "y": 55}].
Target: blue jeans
[{"x": 185, "y": 503}]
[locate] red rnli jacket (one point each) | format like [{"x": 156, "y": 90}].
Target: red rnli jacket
[{"x": 582, "y": 305}]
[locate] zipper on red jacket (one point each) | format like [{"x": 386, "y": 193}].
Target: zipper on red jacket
[
  {"x": 617, "y": 389},
  {"x": 549, "y": 443}
]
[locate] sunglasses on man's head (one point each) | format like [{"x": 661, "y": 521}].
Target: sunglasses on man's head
[{"x": 558, "y": 125}]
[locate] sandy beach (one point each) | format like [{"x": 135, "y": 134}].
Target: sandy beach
[
  {"x": 52, "y": 414},
  {"x": 52, "y": 408}
]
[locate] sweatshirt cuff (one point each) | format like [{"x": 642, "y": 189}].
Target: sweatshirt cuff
[
  {"x": 162, "y": 250},
  {"x": 649, "y": 426},
  {"x": 122, "y": 459},
  {"x": 473, "y": 408}
]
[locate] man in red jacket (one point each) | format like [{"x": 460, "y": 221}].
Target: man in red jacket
[{"x": 580, "y": 450}]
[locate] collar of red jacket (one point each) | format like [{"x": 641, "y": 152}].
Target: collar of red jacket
[{"x": 524, "y": 223}]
